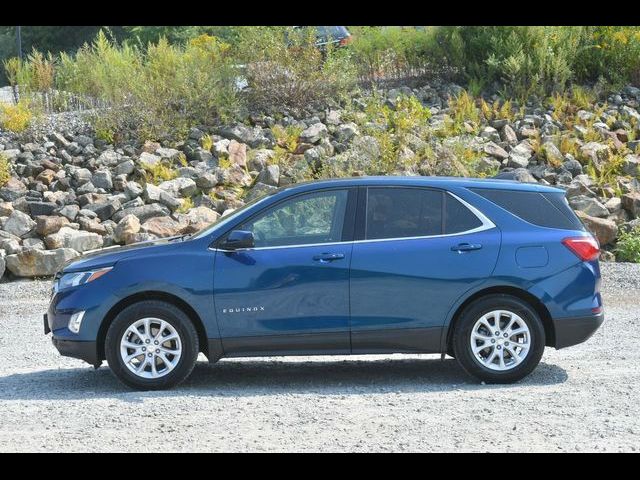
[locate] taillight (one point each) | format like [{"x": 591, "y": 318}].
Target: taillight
[
  {"x": 344, "y": 41},
  {"x": 586, "y": 248}
]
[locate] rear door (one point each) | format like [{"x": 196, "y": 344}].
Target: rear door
[{"x": 417, "y": 251}]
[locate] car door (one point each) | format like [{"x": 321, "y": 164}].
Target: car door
[
  {"x": 419, "y": 250},
  {"x": 289, "y": 294}
]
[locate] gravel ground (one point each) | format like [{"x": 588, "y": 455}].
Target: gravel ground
[{"x": 585, "y": 398}]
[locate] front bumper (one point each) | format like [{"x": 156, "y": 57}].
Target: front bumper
[
  {"x": 572, "y": 331},
  {"x": 86, "y": 351}
]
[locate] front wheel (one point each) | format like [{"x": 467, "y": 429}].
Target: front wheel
[
  {"x": 151, "y": 345},
  {"x": 499, "y": 339}
]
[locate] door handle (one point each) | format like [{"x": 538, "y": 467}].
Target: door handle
[
  {"x": 466, "y": 247},
  {"x": 328, "y": 257}
]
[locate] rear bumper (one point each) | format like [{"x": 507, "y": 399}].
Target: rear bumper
[
  {"x": 571, "y": 331},
  {"x": 86, "y": 351}
]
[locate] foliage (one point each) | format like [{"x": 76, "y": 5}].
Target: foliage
[
  {"x": 5, "y": 170},
  {"x": 15, "y": 118},
  {"x": 159, "y": 172},
  {"x": 497, "y": 110},
  {"x": 287, "y": 137},
  {"x": 628, "y": 245},
  {"x": 187, "y": 204},
  {"x": 286, "y": 70},
  {"x": 206, "y": 142},
  {"x": 462, "y": 111}
]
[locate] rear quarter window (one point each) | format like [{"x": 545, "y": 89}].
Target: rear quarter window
[{"x": 547, "y": 209}]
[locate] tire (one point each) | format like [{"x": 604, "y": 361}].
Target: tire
[
  {"x": 177, "y": 354},
  {"x": 520, "y": 353}
]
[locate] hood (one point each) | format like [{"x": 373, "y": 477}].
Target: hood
[{"x": 110, "y": 255}]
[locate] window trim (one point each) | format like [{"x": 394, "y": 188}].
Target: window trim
[
  {"x": 487, "y": 224},
  {"x": 347, "y": 231}
]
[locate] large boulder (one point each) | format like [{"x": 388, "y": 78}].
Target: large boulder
[
  {"x": 19, "y": 224},
  {"x": 520, "y": 155},
  {"x": 604, "y": 230},
  {"x": 163, "y": 227},
  {"x": 588, "y": 205},
  {"x": 199, "y": 218},
  {"x": 127, "y": 229},
  {"x": 39, "y": 263},
  {"x": 78, "y": 240},
  {"x": 48, "y": 225},
  {"x": 237, "y": 153}
]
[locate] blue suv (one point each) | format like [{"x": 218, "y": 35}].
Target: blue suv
[{"x": 487, "y": 271}]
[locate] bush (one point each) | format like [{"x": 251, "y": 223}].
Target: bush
[
  {"x": 15, "y": 118},
  {"x": 5, "y": 170},
  {"x": 628, "y": 246},
  {"x": 286, "y": 70}
]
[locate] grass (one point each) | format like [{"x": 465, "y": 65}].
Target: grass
[{"x": 5, "y": 170}]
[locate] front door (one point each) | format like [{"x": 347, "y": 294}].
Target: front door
[
  {"x": 422, "y": 249},
  {"x": 289, "y": 294}
]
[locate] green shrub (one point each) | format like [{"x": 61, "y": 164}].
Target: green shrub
[
  {"x": 5, "y": 170},
  {"x": 286, "y": 70},
  {"x": 15, "y": 118},
  {"x": 628, "y": 246},
  {"x": 159, "y": 172}
]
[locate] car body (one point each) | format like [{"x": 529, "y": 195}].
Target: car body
[
  {"x": 351, "y": 266},
  {"x": 335, "y": 36}
]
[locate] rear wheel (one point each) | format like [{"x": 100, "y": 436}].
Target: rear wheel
[
  {"x": 151, "y": 345},
  {"x": 499, "y": 339}
]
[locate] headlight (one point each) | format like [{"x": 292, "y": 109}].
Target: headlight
[{"x": 74, "y": 279}]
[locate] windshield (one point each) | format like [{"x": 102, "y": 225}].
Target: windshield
[{"x": 228, "y": 218}]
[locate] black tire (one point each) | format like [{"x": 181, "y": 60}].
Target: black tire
[
  {"x": 163, "y": 311},
  {"x": 462, "y": 337}
]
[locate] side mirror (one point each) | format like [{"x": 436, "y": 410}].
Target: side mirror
[{"x": 238, "y": 239}]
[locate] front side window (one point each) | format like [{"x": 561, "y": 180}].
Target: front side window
[
  {"x": 306, "y": 219},
  {"x": 403, "y": 212}
]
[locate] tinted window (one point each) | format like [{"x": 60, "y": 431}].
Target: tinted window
[
  {"x": 459, "y": 218},
  {"x": 403, "y": 212},
  {"x": 544, "y": 209},
  {"x": 312, "y": 218}
]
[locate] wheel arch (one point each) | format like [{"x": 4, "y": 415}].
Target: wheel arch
[
  {"x": 152, "y": 295},
  {"x": 530, "y": 299}
]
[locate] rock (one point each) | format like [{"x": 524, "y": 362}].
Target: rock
[
  {"x": 488, "y": 165},
  {"x": 199, "y": 218},
  {"x": 614, "y": 204},
  {"x": 258, "y": 190},
  {"x": 19, "y": 224},
  {"x": 70, "y": 211},
  {"x": 270, "y": 175},
  {"x": 10, "y": 245},
  {"x": 494, "y": 150},
  {"x": 12, "y": 190},
  {"x": 344, "y": 133},
  {"x": 595, "y": 152},
  {"x": 236, "y": 176},
  {"x": 6, "y": 209},
  {"x": 631, "y": 203},
  {"x": 163, "y": 227},
  {"x": 102, "y": 179},
  {"x": 520, "y": 155},
  {"x": 3, "y": 265},
  {"x": 126, "y": 229},
  {"x": 207, "y": 181},
  {"x": 170, "y": 154},
  {"x": 508, "y": 135},
  {"x": 221, "y": 147},
  {"x": 314, "y": 133},
  {"x": 148, "y": 159},
  {"x": 46, "y": 176},
  {"x": 518, "y": 174},
  {"x": 143, "y": 212},
  {"x": 87, "y": 187},
  {"x": 124, "y": 168},
  {"x": 604, "y": 230},
  {"x": 104, "y": 210},
  {"x": 237, "y": 153},
  {"x": 109, "y": 158},
  {"x": 39, "y": 263},
  {"x": 254, "y": 137},
  {"x": 179, "y": 187},
  {"x": 588, "y": 205},
  {"x": 572, "y": 166},
  {"x": 631, "y": 165},
  {"x": 48, "y": 225},
  {"x": 78, "y": 240},
  {"x": 552, "y": 153},
  {"x": 41, "y": 208},
  {"x": 33, "y": 243}
]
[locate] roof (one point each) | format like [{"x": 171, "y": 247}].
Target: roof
[{"x": 424, "y": 181}]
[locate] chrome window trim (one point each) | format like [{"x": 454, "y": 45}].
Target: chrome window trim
[{"x": 487, "y": 224}]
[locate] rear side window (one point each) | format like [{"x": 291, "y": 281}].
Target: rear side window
[
  {"x": 403, "y": 212},
  {"x": 549, "y": 210},
  {"x": 458, "y": 218}
]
